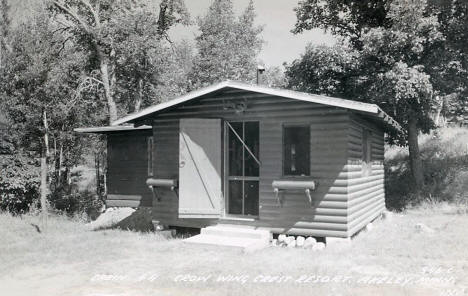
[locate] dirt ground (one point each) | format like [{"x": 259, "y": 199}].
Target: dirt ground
[{"x": 396, "y": 257}]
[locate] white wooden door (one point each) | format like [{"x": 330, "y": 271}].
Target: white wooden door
[{"x": 200, "y": 193}]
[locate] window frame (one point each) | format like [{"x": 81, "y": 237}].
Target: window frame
[{"x": 283, "y": 128}]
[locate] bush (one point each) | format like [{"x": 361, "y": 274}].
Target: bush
[
  {"x": 68, "y": 200},
  {"x": 20, "y": 190},
  {"x": 19, "y": 183},
  {"x": 444, "y": 154}
]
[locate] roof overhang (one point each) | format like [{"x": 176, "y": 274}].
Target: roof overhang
[
  {"x": 369, "y": 109},
  {"x": 111, "y": 129}
]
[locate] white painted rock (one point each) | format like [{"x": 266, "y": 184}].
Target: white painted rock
[
  {"x": 289, "y": 239},
  {"x": 309, "y": 242},
  {"x": 300, "y": 241},
  {"x": 292, "y": 244},
  {"x": 420, "y": 227},
  {"x": 281, "y": 238},
  {"x": 387, "y": 215},
  {"x": 318, "y": 246}
]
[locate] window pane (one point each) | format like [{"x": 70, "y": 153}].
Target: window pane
[
  {"x": 235, "y": 197},
  {"x": 251, "y": 198},
  {"x": 235, "y": 150},
  {"x": 252, "y": 141},
  {"x": 296, "y": 149}
]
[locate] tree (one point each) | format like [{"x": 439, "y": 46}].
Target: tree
[
  {"x": 327, "y": 70},
  {"x": 395, "y": 55},
  {"x": 94, "y": 26},
  {"x": 227, "y": 47},
  {"x": 4, "y": 29},
  {"x": 39, "y": 87},
  {"x": 175, "y": 79},
  {"x": 274, "y": 76},
  {"x": 343, "y": 18},
  {"x": 451, "y": 73},
  {"x": 142, "y": 51}
]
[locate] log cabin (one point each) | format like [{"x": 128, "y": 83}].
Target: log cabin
[{"x": 234, "y": 153}]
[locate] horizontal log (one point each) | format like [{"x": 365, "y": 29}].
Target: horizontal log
[
  {"x": 264, "y": 106},
  {"x": 356, "y": 199},
  {"x": 354, "y": 147},
  {"x": 123, "y": 197},
  {"x": 309, "y": 225},
  {"x": 375, "y": 172},
  {"x": 193, "y": 223},
  {"x": 364, "y": 180},
  {"x": 358, "y": 225},
  {"x": 123, "y": 203},
  {"x": 272, "y": 210},
  {"x": 311, "y": 221},
  {"x": 358, "y": 122},
  {"x": 158, "y": 182},
  {"x": 362, "y": 208},
  {"x": 356, "y": 188},
  {"x": 311, "y": 232},
  {"x": 249, "y": 112},
  {"x": 364, "y": 213},
  {"x": 268, "y": 195}
]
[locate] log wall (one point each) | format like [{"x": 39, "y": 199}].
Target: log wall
[
  {"x": 127, "y": 169},
  {"x": 366, "y": 192},
  {"x": 330, "y": 165}
]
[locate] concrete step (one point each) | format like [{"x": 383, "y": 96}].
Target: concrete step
[
  {"x": 246, "y": 239},
  {"x": 236, "y": 231}
]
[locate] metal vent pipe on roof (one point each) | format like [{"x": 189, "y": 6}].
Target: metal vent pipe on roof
[{"x": 260, "y": 70}]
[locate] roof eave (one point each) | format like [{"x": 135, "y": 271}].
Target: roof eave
[
  {"x": 110, "y": 129},
  {"x": 370, "y": 109},
  {"x": 161, "y": 106}
]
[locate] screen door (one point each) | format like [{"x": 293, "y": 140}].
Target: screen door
[{"x": 243, "y": 167}]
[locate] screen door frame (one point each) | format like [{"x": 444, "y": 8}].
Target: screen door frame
[{"x": 243, "y": 178}]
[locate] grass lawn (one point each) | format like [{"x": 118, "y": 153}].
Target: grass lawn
[{"x": 394, "y": 258}]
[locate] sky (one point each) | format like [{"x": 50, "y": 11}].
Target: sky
[{"x": 278, "y": 18}]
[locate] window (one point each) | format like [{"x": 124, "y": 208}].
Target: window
[
  {"x": 149, "y": 142},
  {"x": 296, "y": 150},
  {"x": 366, "y": 152}
]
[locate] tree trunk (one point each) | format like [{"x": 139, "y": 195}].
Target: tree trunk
[
  {"x": 44, "y": 168},
  {"x": 415, "y": 159},
  {"x": 44, "y": 186},
  {"x": 98, "y": 175},
  {"x": 139, "y": 98},
  {"x": 107, "y": 82},
  {"x": 46, "y": 133},
  {"x": 60, "y": 162}
]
